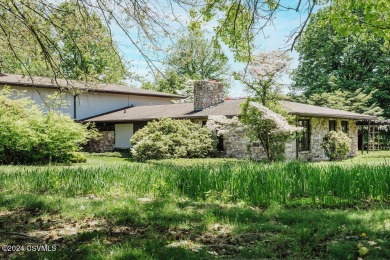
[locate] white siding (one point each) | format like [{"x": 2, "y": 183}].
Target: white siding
[
  {"x": 91, "y": 104},
  {"x": 123, "y": 133},
  {"x": 39, "y": 95}
]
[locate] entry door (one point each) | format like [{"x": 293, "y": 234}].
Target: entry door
[{"x": 123, "y": 133}]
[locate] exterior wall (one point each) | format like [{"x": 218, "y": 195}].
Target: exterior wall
[
  {"x": 207, "y": 93},
  {"x": 319, "y": 127},
  {"x": 236, "y": 144},
  {"x": 91, "y": 104},
  {"x": 39, "y": 96},
  {"x": 104, "y": 144},
  {"x": 123, "y": 133}
]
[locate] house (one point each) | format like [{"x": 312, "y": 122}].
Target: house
[
  {"x": 208, "y": 101},
  {"x": 120, "y": 111},
  {"x": 83, "y": 99}
]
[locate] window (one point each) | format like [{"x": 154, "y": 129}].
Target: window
[
  {"x": 344, "y": 126},
  {"x": 220, "y": 146},
  {"x": 304, "y": 141},
  {"x": 332, "y": 125}
]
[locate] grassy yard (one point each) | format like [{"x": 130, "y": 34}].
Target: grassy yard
[{"x": 112, "y": 208}]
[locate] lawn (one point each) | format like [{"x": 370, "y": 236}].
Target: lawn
[{"x": 112, "y": 208}]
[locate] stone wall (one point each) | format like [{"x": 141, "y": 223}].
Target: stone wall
[
  {"x": 207, "y": 94},
  {"x": 319, "y": 127},
  {"x": 236, "y": 145},
  {"x": 105, "y": 143}
]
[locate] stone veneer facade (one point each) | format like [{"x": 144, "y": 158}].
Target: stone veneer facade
[
  {"x": 207, "y": 94},
  {"x": 236, "y": 145},
  {"x": 105, "y": 143}
]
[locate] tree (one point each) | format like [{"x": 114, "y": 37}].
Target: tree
[
  {"x": 356, "y": 101},
  {"x": 271, "y": 129},
  {"x": 197, "y": 58},
  {"x": 69, "y": 47},
  {"x": 146, "y": 24},
  {"x": 350, "y": 17},
  {"x": 264, "y": 74},
  {"x": 330, "y": 61}
]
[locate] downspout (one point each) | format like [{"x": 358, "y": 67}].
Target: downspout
[{"x": 74, "y": 107}]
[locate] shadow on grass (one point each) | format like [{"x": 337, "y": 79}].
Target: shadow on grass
[{"x": 125, "y": 228}]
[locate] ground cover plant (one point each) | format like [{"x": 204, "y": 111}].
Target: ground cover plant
[{"x": 197, "y": 209}]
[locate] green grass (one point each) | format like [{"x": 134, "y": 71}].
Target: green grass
[{"x": 112, "y": 208}]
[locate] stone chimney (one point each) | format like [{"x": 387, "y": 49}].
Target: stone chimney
[{"x": 207, "y": 93}]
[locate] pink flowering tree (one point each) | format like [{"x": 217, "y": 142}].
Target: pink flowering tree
[
  {"x": 271, "y": 129},
  {"x": 263, "y": 76}
]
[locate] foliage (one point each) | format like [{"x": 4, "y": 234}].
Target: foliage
[
  {"x": 74, "y": 43},
  {"x": 263, "y": 78},
  {"x": 168, "y": 138},
  {"x": 170, "y": 82},
  {"x": 271, "y": 129},
  {"x": 77, "y": 157},
  {"x": 288, "y": 184},
  {"x": 29, "y": 136},
  {"x": 356, "y": 101},
  {"x": 145, "y": 25},
  {"x": 194, "y": 57},
  {"x": 359, "y": 17},
  {"x": 337, "y": 145},
  {"x": 106, "y": 154},
  {"x": 330, "y": 61}
]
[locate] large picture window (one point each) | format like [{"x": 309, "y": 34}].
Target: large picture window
[{"x": 304, "y": 141}]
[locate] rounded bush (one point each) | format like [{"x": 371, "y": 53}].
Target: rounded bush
[
  {"x": 337, "y": 145},
  {"x": 167, "y": 138}
]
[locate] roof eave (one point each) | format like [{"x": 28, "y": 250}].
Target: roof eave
[{"x": 357, "y": 117}]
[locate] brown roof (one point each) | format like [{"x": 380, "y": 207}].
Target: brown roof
[
  {"x": 227, "y": 108},
  {"x": 300, "y": 109},
  {"x": 18, "y": 80}
]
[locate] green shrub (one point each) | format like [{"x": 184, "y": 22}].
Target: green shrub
[
  {"x": 337, "y": 145},
  {"x": 30, "y": 136},
  {"x": 76, "y": 157},
  {"x": 107, "y": 154},
  {"x": 168, "y": 138}
]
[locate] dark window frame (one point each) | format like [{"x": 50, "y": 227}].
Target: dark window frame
[
  {"x": 345, "y": 128},
  {"x": 306, "y": 134},
  {"x": 332, "y": 125}
]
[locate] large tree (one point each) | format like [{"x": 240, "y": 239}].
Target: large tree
[
  {"x": 263, "y": 75},
  {"x": 85, "y": 50},
  {"x": 330, "y": 61},
  {"x": 148, "y": 24}
]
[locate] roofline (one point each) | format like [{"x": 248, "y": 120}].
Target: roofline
[
  {"x": 363, "y": 117},
  {"x": 105, "y": 113},
  {"x": 49, "y": 86}
]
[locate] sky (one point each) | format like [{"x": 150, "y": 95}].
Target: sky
[{"x": 274, "y": 37}]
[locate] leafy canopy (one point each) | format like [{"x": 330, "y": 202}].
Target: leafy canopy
[
  {"x": 331, "y": 61},
  {"x": 73, "y": 43}
]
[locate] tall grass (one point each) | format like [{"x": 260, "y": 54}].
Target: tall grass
[{"x": 257, "y": 184}]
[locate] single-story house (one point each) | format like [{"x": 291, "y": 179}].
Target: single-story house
[{"x": 120, "y": 111}]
